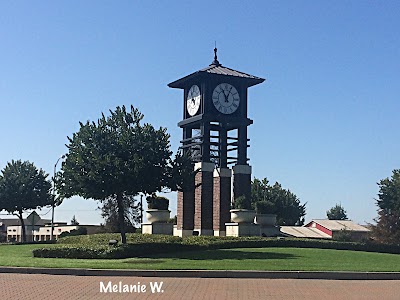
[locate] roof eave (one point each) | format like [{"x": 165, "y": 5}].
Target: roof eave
[{"x": 181, "y": 83}]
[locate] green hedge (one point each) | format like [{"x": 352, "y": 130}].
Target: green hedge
[{"x": 96, "y": 246}]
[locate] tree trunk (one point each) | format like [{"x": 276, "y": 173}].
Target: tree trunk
[
  {"x": 121, "y": 218},
  {"x": 23, "y": 237}
]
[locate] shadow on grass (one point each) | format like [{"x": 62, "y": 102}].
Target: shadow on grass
[
  {"x": 222, "y": 254},
  {"x": 146, "y": 261}
]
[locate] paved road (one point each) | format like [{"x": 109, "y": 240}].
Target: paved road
[{"x": 44, "y": 287}]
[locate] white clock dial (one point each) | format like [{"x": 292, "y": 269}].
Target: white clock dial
[
  {"x": 193, "y": 100},
  {"x": 226, "y": 98}
]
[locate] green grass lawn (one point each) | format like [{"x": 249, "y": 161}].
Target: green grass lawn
[{"x": 294, "y": 259}]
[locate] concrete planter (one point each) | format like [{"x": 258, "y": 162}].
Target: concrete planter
[
  {"x": 265, "y": 219},
  {"x": 242, "y": 215},
  {"x": 157, "y": 215}
]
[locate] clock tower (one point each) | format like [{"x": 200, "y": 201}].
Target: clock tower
[{"x": 215, "y": 132}]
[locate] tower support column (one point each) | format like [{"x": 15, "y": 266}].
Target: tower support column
[
  {"x": 203, "y": 199},
  {"x": 222, "y": 200},
  {"x": 242, "y": 181},
  {"x": 185, "y": 213}
]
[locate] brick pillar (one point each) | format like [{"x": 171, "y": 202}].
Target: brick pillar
[
  {"x": 222, "y": 200},
  {"x": 185, "y": 213},
  {"x": 203, "y": 199},
  {"x": 241, "y": 181}
]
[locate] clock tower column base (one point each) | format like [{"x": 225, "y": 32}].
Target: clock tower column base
[
  {"x": 203, "y": 199},
  {"x": 222, "y": 199},
  {"x": 185, "y": 211},
  {"x": 242, "y": 181}
]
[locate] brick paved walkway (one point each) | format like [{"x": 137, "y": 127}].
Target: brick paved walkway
[{"x": 43, "y": 287}]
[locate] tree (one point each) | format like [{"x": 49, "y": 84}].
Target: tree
[
  {"x": 389, "y": 192},
  {"x": 336, "y": 213},
  {"x": 109, "y": 212},
  {"x": 285, "y": 204},
  {"x": 387, "y": 228},
  {"x": 116, "y": 157},
  {"x": 182, "y": 173},
  {"x": 22, "y": 187},
  {"x": 74, "y": 221}
]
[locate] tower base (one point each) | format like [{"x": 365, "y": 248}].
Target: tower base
[{"x": 157, "y": 228}]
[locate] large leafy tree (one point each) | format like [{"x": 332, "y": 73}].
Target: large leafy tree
[
  {"x": 22, "y": 187},
  {"x": 113, "y": 157},
  {"x": 282, "y": 202},
  {"x": 337, "y": 212},
  {"x": 387, "y": 229}
]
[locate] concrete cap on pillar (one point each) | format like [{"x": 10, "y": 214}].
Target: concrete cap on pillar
[
  {"x": 204, "y": 166},
  {"x": 222, "y": 172},
  {"x": 242, "y": 169}
]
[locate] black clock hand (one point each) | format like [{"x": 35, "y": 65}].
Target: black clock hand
[
  {"x": 225, "y": 99},
  {"x": 227, "y": 96}
]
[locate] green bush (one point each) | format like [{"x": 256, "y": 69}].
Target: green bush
[
  {"x": 96, "y": 246},
  {"x": 242, "y": 202},
  {"x": 265, "y": 207},
  {"x": 155, "y": 202},
  {"x": 73, "y": 232}
]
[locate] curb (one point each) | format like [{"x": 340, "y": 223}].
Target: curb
[{"x": 209, "y": 273}]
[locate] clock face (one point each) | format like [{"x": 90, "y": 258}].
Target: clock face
[
  {"x": 226, "y": 98},
  {"x": 193, "y": 100}
]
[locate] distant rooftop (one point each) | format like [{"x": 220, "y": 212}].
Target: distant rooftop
[
  {"x": 304, "y": 232},
  {"x": 336, "y": 225}
]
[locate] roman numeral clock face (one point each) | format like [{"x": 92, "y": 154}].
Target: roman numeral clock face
[
  {"x": 193, "y": 100},
  {"x": 226, "y": 98}
]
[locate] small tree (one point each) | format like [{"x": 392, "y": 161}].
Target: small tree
[
  {"x": 116, "y": 157},
  {"x": 109, "y": 211},
  {"x": 22, "y": 187},
  {"x": 74, "y": 221},
  {"x": 336, "y": 213}
]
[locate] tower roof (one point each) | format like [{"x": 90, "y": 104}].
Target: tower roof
[{"x": 217, "y": 69}]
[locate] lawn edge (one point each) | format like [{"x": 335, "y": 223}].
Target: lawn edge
[{"x": 328, "y": 275}]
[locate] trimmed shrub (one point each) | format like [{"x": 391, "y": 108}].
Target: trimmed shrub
[
  {"x": 242, "y": 202},
  {"x": 79, "y": 231},
  {"x": 155, "y": 202},
  {"x": 265, "y": 207},
  {"x": 140, "y": 245}
]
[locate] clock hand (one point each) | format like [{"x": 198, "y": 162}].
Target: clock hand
[
  {"x": 227, "y": 95},
  {"x": 225, "y": 100}
]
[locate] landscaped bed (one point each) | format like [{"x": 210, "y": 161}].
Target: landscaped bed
[
  {"x": 272, "y": 258},
  {"x": 96, "y": 246}
]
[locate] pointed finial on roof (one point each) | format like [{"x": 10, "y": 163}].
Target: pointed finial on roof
[{"x": 215, "y": 62}]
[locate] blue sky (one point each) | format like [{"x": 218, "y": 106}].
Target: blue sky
[{"x": 325, "y": 120}]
